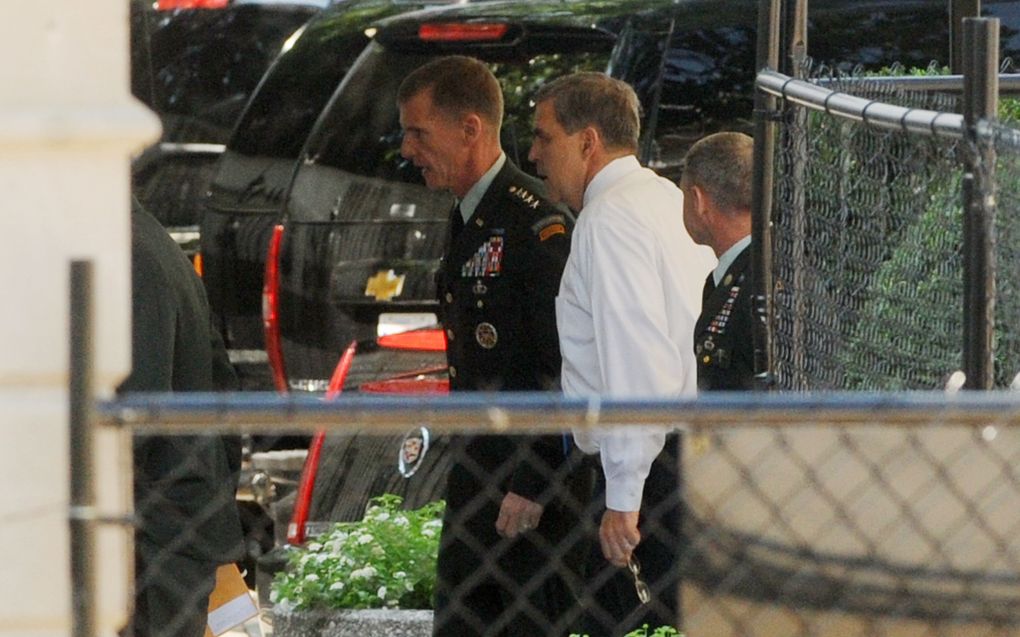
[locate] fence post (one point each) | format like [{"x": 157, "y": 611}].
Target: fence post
[
  {"x": 958, "y": 10},
  {"x": 980, "y": 101},
  {"x": 83, "y": 494},
  {"x": 769, "y": 16},
  {"x": 794, "y": 143}
]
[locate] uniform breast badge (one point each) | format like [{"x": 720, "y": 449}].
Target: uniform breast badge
[
  {"x": 487, "y": 259},
  {"x": 486, "y": 335}
]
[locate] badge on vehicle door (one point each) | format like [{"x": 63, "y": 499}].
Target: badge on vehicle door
[{"x": 413, "y": 448}]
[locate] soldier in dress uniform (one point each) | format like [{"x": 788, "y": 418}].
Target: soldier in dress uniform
[
  {"x": 510, "y": 557},
  {"x": 717, "y": 212}
]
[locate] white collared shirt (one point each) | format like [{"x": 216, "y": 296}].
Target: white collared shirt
[
  {"x": 627, "y": 305},
  {"x": 727, "y": 258}
]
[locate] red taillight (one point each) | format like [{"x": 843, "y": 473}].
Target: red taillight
[
  {"x": 169, "y": 5},
  {"x": 461, "y": 32},
  {"x": 303, "y": 499},
  {"x": 407, "y": 386},
  {"x": 432, "y": 340},
  {"x": 270, "y": 310}
]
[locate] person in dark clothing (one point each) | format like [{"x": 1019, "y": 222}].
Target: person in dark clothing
[
  {"x": 717, "y": 212},
  {"x": 187, "y": 522},
  {"x": 510, "y": 556}
]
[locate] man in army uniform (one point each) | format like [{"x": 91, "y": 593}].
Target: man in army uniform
[
  {"x": 510, "y": 555},
  {"x": 717, "y": 212}
]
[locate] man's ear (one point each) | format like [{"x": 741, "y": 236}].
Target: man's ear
[
  {"x": 472, "y": 126},
  {"x": 700, "y": 200},
  {"x": 590, "y": 141}
]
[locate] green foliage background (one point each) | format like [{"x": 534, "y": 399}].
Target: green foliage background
[{"x": 884, "y": 257}]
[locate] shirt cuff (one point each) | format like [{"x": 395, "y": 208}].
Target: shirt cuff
[{"x": 623, "y": 493}]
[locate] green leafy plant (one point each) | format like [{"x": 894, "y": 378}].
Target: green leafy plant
[
  {"x": 661, "y": 631},
  {"x": 387, "y": 560}
]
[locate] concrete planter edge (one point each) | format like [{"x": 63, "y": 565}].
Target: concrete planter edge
[{"x": 374, "y": 622}]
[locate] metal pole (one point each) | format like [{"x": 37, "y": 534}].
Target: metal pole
[
  {"x": 980, "y": 100},
  {"x": 769, "y": 20},
  {"x": 958, "y": 10},
  {"x": 83, "y": 594},
  {"x": 795, "y": 143},
  {"x": 795, "y": 37}
]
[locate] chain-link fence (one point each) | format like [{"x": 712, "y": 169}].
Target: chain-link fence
[
  {"x": 869, "y": 287},
  {"x": 897, "y": 517}
]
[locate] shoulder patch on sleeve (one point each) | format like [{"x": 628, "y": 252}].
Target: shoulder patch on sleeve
[{"x": 549, "y": 226}]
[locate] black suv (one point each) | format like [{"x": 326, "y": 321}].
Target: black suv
[
  {"x": 246, "y": 195},
  {"x": 362, "y": 235}
]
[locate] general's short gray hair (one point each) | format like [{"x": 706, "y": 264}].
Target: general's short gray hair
[
  {"x": 721, "y": 165},
  {"x": 459, "y": 85},
  {"x": 597, "y": 100}
]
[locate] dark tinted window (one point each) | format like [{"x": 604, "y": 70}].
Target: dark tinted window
[
  {"x": 1008, "y": 12},
  {"x": 301, "y": 81},
  {"x": 359, "y": 136},
  {"x": 706, "y": 86},
  {"x": 361, "y": 132},
  {"x": 200, "y": 62},
  {"x": 294, "y": 92}
]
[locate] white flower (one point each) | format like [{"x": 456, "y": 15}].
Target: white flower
[
  {"x": 428, "y": 533},
  {"x": 432, "y": 524},
  {"x": 314, "y": 546},
  {"x": 274, "y": 595},
  {"x": 365, "y": 538},
  {"x": 285, "y": 605},
  {"x": 312, "y": 577},
  {"x": 321, "y": 557},
  {"x": 364, "y": 573},
  {"x": 401, "y": 520},
  {"x": 400, "y": 575},
  {"x": 336, "y": 586},
  {"x": 382, "y": 516},
  {"x": 381, "y": 592}
]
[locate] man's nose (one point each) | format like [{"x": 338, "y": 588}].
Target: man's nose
[
  {"x": 532, "y": 155},
  {"x": 405, "y": 148}
]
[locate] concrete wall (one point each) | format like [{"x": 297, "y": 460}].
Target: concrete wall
[{"x": 67, "y": 128}]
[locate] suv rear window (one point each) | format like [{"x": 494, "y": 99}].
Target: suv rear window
[{"x": 353, "y": 169}]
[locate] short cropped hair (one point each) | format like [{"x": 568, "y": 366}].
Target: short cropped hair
[
  {"x": 459, "y": 85},
  {"x": 721, "y": 165},
  {"x": 597, "y": 100}
]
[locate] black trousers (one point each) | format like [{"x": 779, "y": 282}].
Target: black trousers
[
  {"x": 487, "y": 585},
  {"x": 612, "y": 607},
  {"x": 171, "y": 593}
]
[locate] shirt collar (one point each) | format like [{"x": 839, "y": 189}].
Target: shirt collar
[
  {"x": 474, "y": 196},
  {"x": 728, "y": 257},
  {"x": 605, "y": 178}
]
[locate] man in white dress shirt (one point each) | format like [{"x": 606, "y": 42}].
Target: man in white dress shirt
[{"x": 628, "y": 301}]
